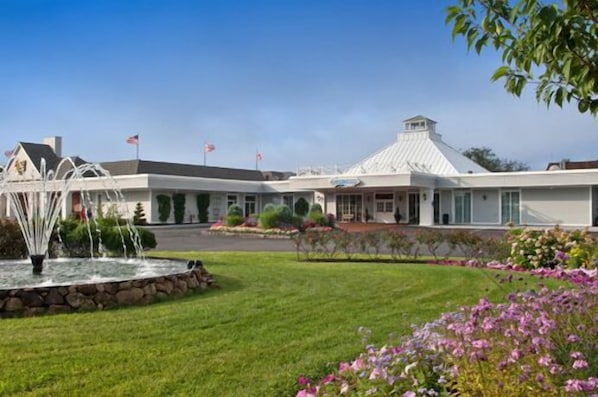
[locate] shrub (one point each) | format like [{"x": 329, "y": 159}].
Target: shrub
[
  {"x": 139, "y": 215},
  {"x": 431, "y": 239},
  {"x": 12, "y": 243},
  {"x": 269, "y": 208},
  {"x": 203, "y": 203},
  {"x": 234, "y": 216},
  {"x": 315, "y": 209},
  {"x": 551, "y": 247},
  {"x": 178, "y": 200},
  {"x": 399, "y": 244},
  {"x": 234, "y": 209},
  {"x": 468, "y": 243},
  {"x": 163, "y": 207},
  {"x": 301, "y": 207},
  {"x": 285, "y": 214},
  {"x": 234, "y": 220},
  {"x": 269, "y": 219}
]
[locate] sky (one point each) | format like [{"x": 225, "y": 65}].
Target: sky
[{"x": 304, "y": 82}]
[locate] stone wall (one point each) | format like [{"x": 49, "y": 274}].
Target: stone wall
[{"x": 89, "y": 297}]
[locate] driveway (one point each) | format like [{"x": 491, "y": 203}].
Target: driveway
[{"x": 197, "y": 238}]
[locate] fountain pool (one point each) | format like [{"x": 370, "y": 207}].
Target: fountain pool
[{"x": 69, "y": 285}]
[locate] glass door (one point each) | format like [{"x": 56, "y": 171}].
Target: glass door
[
  {"x": 413, "y": 208},
  {"x": 349, "y": 207},
  {"x": 462, "y": 207},
  {"x": 509, "y": 208}
]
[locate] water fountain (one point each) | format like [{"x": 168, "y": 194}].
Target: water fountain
[{"x": 37, "y": 204}]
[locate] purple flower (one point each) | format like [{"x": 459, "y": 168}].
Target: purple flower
[
  {"x": 573, "y": 338},
  {"x": 579, "y": 364},
  {"x": 409, "y": 394}
]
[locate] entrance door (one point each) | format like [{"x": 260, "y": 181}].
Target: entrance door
[
  {"x": 462, "y": 207},
  {"x": 413, "y": 208}
]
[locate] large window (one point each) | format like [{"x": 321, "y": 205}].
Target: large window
[
  {"x": 250, "y": 202},
  {"x": 509, "y": 208},
  {"x": 462, "y": 207},
  {"x": 384, "y": 203}
]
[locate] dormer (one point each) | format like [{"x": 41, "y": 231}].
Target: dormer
[{"x": 419, "y": 123}]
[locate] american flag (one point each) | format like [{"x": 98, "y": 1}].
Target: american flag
[
  {"x": 133, "y": 140},
  {"x": 208, "y": 147},
  {"x": 8, "y": 153},
  {"x": 258, "y": 156}
]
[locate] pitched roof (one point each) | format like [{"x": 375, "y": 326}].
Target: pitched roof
[
  {"x": 39, "y": 151},
  {"x": 133, "y": 167},
  {"x": 417, "y": 151}
]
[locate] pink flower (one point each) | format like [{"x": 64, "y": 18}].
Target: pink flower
[
  {"x": 409, "y": 394},
  {"x": 579, "y": 364}
]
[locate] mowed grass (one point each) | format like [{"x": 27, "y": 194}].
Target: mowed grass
[{"x": 271, "y": 320}]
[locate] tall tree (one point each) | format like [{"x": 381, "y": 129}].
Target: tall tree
[
  {"x": 485, "y": 157},
  {"x": 558, "y": 42}
]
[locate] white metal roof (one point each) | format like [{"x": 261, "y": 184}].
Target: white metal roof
[{"x": 419, "y": 150}]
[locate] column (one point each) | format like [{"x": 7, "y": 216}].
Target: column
[{"x": 426, "y": 207}]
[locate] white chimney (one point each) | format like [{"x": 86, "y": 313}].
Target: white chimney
[{"x": 55, "y": 142}]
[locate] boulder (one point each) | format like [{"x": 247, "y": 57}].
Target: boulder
[
  {"x": 13, "y": 305},
  {"x": 54, "y": 297},
  {"x": 129, "y": 297},
  {"x": 32, "y": 299}
]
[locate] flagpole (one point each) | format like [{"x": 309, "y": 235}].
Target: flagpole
[
  {"x": 204, "y": 152},
  {"x": 137, "y": 149},
  {"x": 256, "y": 153}
]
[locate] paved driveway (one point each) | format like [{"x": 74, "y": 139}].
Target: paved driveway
[{"x": 196, "y": 238}]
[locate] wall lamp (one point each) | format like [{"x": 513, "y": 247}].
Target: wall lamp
[
  {"x": 425, "y": 196},
  {"x": 484, "y": 197}
]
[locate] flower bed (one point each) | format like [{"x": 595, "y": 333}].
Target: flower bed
[{"x": 536, "y": 344}]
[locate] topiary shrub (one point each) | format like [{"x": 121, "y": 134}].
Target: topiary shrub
[
  {"x": 285, "y": 214},
  {"x": 301, "y": 207},
  {"x": 139, "y": 215},
  {"x": 203, "y": 203},
  {"x": 178, "y": 200},
  {"x": 269, "y": 207},
  {"x": 234, "y": 216},
  {"x": 163, "y": 207}
]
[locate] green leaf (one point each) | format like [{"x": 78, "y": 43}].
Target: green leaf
[{"x": 500, "y": 72}]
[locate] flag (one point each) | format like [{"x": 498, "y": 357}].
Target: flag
[
  {"x": 133, "y": 140},
  {"x": 8, "y": 153},
  {"x": 258, "y": 156},
  {"x": 208, "y": 147}
]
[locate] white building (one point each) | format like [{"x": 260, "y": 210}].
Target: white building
[{"x": 418, "y": 175}]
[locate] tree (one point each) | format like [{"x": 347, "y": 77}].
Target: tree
[
  {"x": 486, "y": 158},
  {"x": 139, "y": 215},
  {"x": 558, "y": 41}
]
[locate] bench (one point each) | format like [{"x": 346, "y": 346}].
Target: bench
[{"x": 347, "y": 217}]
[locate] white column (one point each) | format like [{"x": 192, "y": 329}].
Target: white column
[{"x": 426, "y": 208}]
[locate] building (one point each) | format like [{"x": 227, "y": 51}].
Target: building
[{"x": 417, "y": 176}]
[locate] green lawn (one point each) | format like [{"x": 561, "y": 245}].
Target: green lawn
[{"x": 272, "y": 320}]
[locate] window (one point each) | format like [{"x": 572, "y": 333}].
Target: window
[
  {"x": 384, "y": 202},
  {"x": 250, "y": 205},
  {"x": 509, "y": 208},
  {"x": 231, "y": 199}
]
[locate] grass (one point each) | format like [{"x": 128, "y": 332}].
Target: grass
[{"x": 272, "y": 320}]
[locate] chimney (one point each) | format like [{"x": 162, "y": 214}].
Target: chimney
[
  {"x": 563, "y": 164},
  {"x": 55, "y": 142}
]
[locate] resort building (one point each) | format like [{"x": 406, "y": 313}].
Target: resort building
[{"x": 417, "y": 179}]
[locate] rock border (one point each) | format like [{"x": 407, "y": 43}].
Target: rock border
[{"x": 91, "y": 297}]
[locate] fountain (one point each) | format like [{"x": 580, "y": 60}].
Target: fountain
[{"x": 37, "y": 204}]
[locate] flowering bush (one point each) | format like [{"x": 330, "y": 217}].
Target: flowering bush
[
  {"x": 536, "y": 344},
  {"x": 551, "y": 247}
]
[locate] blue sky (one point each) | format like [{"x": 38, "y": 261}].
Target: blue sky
[{"x": 307, "y": 83}]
